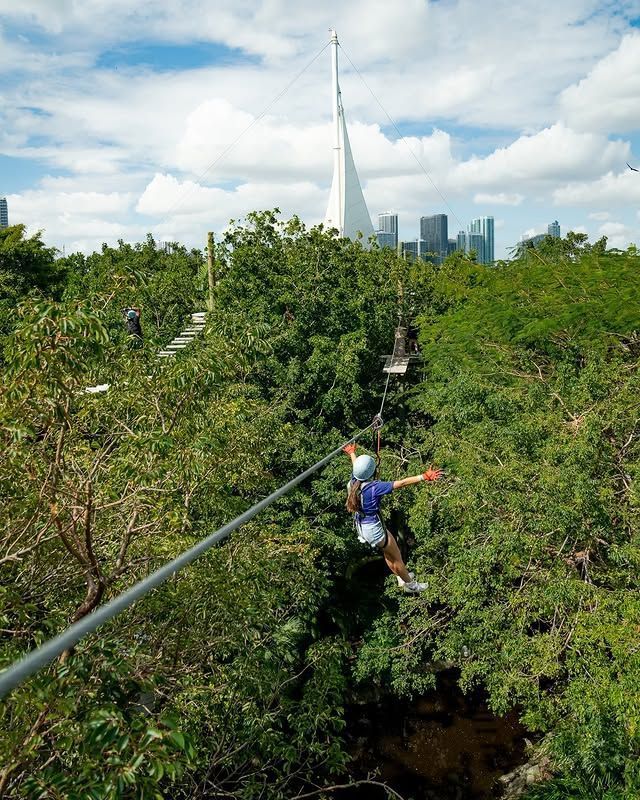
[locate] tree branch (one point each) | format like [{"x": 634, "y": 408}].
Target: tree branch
[{"x": 351, "y": 785}]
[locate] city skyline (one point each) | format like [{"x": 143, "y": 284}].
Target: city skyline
[
  {"x": 191, "y": 122},
  {"x": 433, "y": 239}
]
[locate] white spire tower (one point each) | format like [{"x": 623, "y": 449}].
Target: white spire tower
[{"x": 347, "y": 210}]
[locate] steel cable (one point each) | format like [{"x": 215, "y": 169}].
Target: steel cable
[{"x": 34, "y": 661}]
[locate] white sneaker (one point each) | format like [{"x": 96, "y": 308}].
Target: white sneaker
[
  {"x": 414, "y": 587},
  {"x": 401, "y": 583}
]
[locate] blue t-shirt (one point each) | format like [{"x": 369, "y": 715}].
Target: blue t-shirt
[{"x": 371, "y": 493}]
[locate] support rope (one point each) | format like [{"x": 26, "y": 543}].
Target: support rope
[
  {"x": 181, "y": 198},
  {"x": 384, "y": 397},
  {"x": 405, "y": 142}
]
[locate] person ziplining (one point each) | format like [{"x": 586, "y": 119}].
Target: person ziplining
[{"x": 363, "y": 501}]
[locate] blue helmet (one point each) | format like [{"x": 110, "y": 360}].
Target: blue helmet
[
  {"x": 363, "y": 468},
  {"x": 131, "y": 313}
]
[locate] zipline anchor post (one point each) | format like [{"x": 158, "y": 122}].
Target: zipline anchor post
[{"x": 210, "y": 269}]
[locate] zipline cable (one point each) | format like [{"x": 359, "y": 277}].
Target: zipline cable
[
  {"x": 19, "y": 671},
  {"x": 384, "y": 397},
  {"x": 389, "y": 117},
  {"x": 230, "y": 147}
]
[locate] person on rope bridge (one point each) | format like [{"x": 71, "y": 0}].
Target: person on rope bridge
[
  {"x": 363, "y": 501},
  {"x": 134, "y": 329}
]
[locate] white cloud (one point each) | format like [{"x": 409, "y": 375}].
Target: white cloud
[
  {"x": 65, "y": 215},
  {"x": 607, "y": 99},
  {"x": 213, "y": 137},
  {"x": 110, "y": 130},
  {"x": 80, "y": 203},
  {"x": 553, "y": 154},
  {"x": 424, "y": 60},
  {"x": 611, "y": 189},
  {"x": 618, "y": 234},
  {"x": 500, "y": 199},
  {"x": 601, "y": 216},
  {"x": 188, "y": 203}
]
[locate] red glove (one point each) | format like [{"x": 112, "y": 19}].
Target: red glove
[
  {"x": 431, "y": 474},
  {"x": 349, "y": 448}
]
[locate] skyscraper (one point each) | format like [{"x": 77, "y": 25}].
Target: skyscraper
[
  {"x": 485, "y": 227},
  {"x": 347, "y": 210},
  {"x": 489, "y": 240},
  {"x": 435, "y": 232},
  {"x": 410, "y": 250},
  {"x": 387, "y": 230},
  {"x": 4, "y": 213},
  {"x": 387, "y": 239},
  {"x": 475, "y": 242},
  {"x": 413, "y": 250},
  {"x": 388, "y": 222},
  {"x": 462, "y": 241},
  {"x": 553, "y": 229}
]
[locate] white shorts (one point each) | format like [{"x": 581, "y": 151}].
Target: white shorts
[{"x": 372, "y": 533}]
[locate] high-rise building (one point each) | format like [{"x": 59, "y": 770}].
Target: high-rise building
[
  {"x": 409, "y": 250},
  {"x": 462, "y": 241},
  {"x": 452, "y": 246},
  {"x": 489, "y": 240},
  {"x": 417, "y": 248},
  {"x": 475, "y": 242},
  {"x": 4, "y": 213},
  {"x": 387, "y": 239},
  {"x": 485, "y": 227},
  {"x": 531, "y": 241},
  {"x": 435, "y": 232},
  {"x": 553, "y": 229},
  {"x": 388, "y": 224}
]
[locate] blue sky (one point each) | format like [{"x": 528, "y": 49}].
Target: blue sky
[{"x": 110, "y": 113}]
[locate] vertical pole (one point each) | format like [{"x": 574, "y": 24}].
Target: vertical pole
[
  {"x": 210, "y": 269},
  {"x": 337, "y": 145}
]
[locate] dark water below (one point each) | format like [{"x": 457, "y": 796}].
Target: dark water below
[{"x": 442, "y": 746}]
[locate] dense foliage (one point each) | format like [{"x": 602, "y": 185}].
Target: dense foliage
[
  {"x": 231, "y": 680},
  {"x": 531, "y": 548}
]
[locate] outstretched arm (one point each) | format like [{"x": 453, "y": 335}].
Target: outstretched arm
[
  {"x": 429, "y": 475},
  {"x": 350, "y": 450}
]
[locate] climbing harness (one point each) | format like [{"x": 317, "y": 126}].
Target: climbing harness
[{"x": 357, "y": 523}]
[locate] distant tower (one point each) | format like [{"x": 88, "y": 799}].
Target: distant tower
[
  {"x": 435, "y": 231},
  {"x": 414, "y": 250},
  {"x": 475, "y": 241},
  {"x": 553, "y": 229},
  {"x": 4, "y": 213},
  {"x": 387, "y": 232},
  {"x": 485, "y": 227},
  {"x": 347, "y": 210},
  {"x": 462, "y": 241}
]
